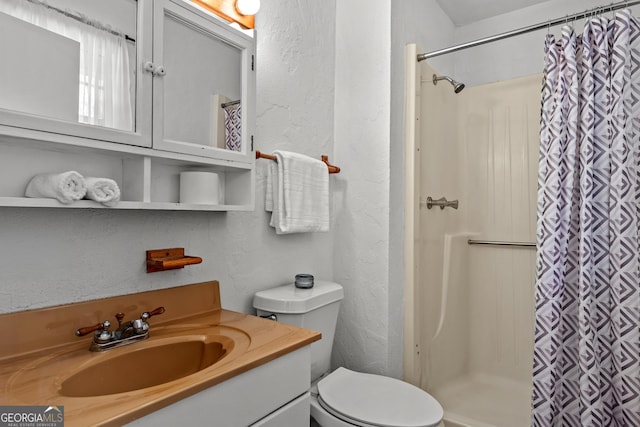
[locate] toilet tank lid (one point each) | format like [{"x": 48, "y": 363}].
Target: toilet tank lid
[{"x": 288, "y": 299}]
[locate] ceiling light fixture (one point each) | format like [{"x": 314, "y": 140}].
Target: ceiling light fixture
[{"x": 247, "y": 7}]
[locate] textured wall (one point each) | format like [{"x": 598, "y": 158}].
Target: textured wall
[
  {"x": 361, "y": 260},
  {"x": 296, "y": 44},
  {"x": 55, "y": 256},
  {"x": 324, "y": 75}
]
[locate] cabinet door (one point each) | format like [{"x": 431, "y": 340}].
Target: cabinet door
[
  {"x": 71, "y": 72},
  {"x": 204, "y": 84},
  {"x": 295, "y": 413}
]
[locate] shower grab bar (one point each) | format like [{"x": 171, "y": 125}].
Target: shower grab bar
[{"x": 502, "y": 243}]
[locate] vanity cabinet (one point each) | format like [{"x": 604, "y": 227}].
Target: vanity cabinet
[
  {"x": 185, "y": 63},
  {"x": 271, "y": 395}
]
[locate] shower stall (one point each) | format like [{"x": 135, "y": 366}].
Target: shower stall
[{"x": 470, "y": 271}]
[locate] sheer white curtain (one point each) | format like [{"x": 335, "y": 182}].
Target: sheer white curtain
[{"x": 104, "y": 76}]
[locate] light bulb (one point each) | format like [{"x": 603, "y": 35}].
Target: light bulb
[{"x": 248, "y": 7}]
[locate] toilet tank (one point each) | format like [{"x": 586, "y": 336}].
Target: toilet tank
[{"x": 314, "y": 308}]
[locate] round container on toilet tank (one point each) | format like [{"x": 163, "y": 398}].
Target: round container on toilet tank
[{"x": 304, "y": 281}]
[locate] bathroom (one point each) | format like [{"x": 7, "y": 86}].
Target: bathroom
[{"x": 325, "y": 85}]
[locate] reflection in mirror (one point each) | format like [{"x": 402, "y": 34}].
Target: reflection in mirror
[
  {"x": 202, "y": 87},
  {"x": 69, "y": 65},
  {"x": 232, "y": 125},
  {"x": 226, "y": 126}
]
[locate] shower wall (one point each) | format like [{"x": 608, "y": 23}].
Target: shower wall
[
  {"x": 438, "y": 175},
  {"x": 475, "y": 303},
  {"x": 500, "y": 141}
]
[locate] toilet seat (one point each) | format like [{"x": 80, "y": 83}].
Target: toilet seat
[{"x": 376, "y": 401}]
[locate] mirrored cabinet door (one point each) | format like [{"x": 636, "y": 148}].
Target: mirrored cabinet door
[
  {"x": 203, "y": 84},
  {"x": 71, "y": 68}
]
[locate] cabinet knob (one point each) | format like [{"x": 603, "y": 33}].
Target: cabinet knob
[
  {"x": 156, "y": 70},
  {"x": 149, "y": 67}
]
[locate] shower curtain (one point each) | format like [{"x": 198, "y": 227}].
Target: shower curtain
[{"x": 587, "y": 338}]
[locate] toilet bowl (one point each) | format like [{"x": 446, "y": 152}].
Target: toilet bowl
[
  {"x": 348, "y": 398},
  {"x": 345, "y": 398}
]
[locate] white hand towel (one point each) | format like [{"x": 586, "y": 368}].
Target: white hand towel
[
  {"x": 103, "y": 190},
  {"x": 67, "y": 187},
  {"x": 272, "y": 183},
  {"x": 300, "y": 194}
]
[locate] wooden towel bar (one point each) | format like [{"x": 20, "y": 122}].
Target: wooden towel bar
[{"x": 325, "y": 159}]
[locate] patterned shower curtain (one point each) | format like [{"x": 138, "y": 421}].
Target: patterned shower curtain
[{"x": 586, "y": 365}]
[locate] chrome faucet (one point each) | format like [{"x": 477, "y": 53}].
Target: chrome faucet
[{"x": 127, "y": 332}]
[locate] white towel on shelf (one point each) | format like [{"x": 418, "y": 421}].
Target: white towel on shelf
[
  {"x": 103, "y": 190},
  {"x": 298, "y": 194},
  {"x": 66, "y": 187}
]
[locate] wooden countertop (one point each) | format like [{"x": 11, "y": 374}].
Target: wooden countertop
[{"x": 41, "y": 350}]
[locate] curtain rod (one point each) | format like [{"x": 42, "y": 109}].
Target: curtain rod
[
  {"x": 84, "y": 20},
  {"x": 531, "y": 28}
]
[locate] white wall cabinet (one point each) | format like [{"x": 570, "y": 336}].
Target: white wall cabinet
[{"x": 186, "y": 62}]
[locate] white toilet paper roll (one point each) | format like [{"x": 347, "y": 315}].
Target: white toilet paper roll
[{"x": 199, "y": 188}]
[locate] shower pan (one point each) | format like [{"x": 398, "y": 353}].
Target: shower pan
[{"x": 469, "y": 331}]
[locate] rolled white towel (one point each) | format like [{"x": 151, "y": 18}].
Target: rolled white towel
[
  {"x": 67, "y": 187},
  {"x": 103, "y": 190}
]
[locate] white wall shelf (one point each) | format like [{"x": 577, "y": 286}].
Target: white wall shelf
[
  {"x": 89, "y": 204},
  {"x": 148, "y": 178}
]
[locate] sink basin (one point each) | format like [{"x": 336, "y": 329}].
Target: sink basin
[{"x": 136, "y": 367}]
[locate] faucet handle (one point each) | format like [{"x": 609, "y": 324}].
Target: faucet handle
[
  {"x": 104, "y": 326},
  {"x": 147, "y": 314},
  {"x": 88, "y": 329},
  {"x": 140, "y": 325},
  {"x": 105, "y": 334}
]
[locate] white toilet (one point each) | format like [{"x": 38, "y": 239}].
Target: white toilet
[{"x": 345, "y": 398}]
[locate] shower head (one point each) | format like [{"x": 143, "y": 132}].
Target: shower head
[{"x": 457, "y": 86}]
